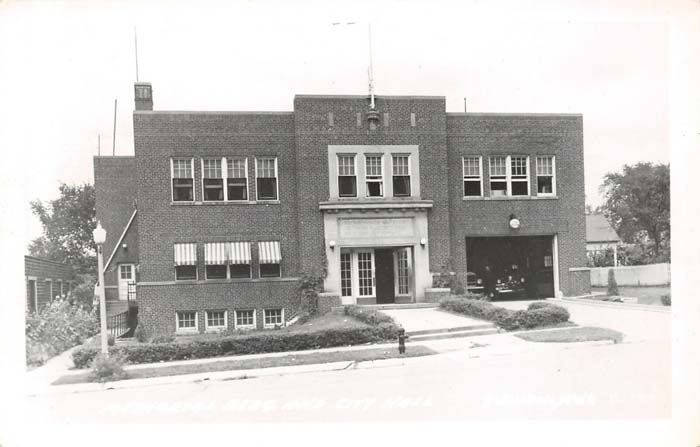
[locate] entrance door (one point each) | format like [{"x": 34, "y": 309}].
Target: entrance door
[
  {"x": 127, "y": 275},
  {"x": 385, "y": 275},
  {"x": 403, "y": 272},
  {"x": 365, "y": 274}
]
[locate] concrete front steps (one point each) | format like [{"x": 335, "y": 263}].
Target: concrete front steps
[{"x": 452, "y": 332}]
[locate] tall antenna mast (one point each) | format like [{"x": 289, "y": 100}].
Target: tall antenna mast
[
  {"x": 371, "y": 71},
  {"x": 114, "y": 131},
  {"x": 98, "y": 144},
  {"x": 136, "y": 51}
]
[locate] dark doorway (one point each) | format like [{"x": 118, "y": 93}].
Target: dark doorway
[
  {"x": 384, "y": 271},
  {"x": 522, "y": 266}
]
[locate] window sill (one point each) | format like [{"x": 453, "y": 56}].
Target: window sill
[
  {"x": 496, "y": 198},
  {"x": 228, "y": 202}
]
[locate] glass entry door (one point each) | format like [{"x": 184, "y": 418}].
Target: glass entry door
[{"x": 365, "y": 274}]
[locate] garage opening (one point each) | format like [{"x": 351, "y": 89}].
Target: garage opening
[{"x": 522, "y": 266}]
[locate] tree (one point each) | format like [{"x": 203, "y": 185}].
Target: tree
[
  {"x": 638, "y": 204},
  {"x": 68, "y": 223}
]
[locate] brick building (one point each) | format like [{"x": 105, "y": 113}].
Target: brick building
[
  {"x": 45, "y": 281},
  {"x": 218, "y": 214}
]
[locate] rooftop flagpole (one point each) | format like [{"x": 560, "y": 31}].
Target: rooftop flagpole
[{"x": 371, "y": 70}]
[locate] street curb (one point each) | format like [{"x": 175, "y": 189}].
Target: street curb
[{"x": 199, "y": 377}]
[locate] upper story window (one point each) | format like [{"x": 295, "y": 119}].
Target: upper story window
[
  {"x": 237, "y": 179},
  {"x": 374, "y": 175},
  {"x": 472, "y": 176},
  {"x": 546, "y": 176},
  {"x": 401, "y": 178},
  {"x": 266, "y": 178},
  {"x": 509, "y": 176},
  {"x": 212, "y": 179},
  {"x": 183, "y": 179},
  {"x": 347, "y": 178}
]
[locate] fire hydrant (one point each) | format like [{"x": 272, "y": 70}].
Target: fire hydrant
[{"x": 402, "y": 341}]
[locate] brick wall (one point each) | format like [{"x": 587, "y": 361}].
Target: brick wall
[
  {"x": 526, "y": 134},
  {"x": 314, "y": 134},
  {"x": 115, "y": 199},
  {"x": 41, "y": 270},
  {"x": 579, "y": 281}
]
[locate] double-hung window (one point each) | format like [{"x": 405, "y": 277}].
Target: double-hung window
[
  {"x": 266, "y": 178},
  {"x": 471, "y": 171},
  {"x": 374, "y": 175},
  {"x": 546, "y": 185},
  {"x": 509, "y": 175},
  {"x": 183, "y": 179},
  {"x": 347, "y": 178},
  {"x": 212, "y": 179},
  {"x": 401, "y": 178},
  {"x": 237, "y": 178},
  {"x": 519, "y": 175}
]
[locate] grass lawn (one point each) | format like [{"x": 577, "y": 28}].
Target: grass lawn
[
  {"x": 572, "y": 335},
  {"x": 646, "y": 294},
  {"x": 362, "y": 355}
]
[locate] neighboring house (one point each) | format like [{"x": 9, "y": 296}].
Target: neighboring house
[
  {"x": 45, "y": 281},
  {"x": 219, "y": 214},
  {"x": 600, "y": 236}
]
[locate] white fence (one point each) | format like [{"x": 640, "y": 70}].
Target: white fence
[{"x": 633, "y": 275}]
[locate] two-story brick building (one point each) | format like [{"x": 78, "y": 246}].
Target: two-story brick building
[{"x": 218, "y": 214}]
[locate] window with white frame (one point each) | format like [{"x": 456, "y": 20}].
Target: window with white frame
[
  {"x": 519, "y": 176},
  {"x": 212, "y": 179},
  {"x": 186, "y": 321},
  {"x": 509, "y": 175},
  {"x": 546, "y": 184},
  {"x": 237, "y": 178},
  {"x": 347, "y": 178},
  {"x": 266, "y": 178},
  {"x": 245, "y": 319},
  {"x": 215, "y": 320},
  {"x": 471, "y": 171},
  {"x": 401, "y": 175},
  {"x": 498, "y": 174},
  {"x": 273, "y": 317},
  {"x": 182, "y": 174},
  {"x": 374, "y": 175}
]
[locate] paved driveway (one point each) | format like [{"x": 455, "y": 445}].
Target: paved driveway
[
  {"x": 430, "y": 318},
  {"x": 635, "y": 323}
]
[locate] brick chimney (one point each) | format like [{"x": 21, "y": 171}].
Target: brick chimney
[{"x": 143, "y": 96}]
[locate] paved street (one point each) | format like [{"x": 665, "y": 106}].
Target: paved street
[{"x": 476, "y": 378}]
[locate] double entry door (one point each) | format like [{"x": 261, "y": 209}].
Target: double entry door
[{"x": 376, "y": 274}]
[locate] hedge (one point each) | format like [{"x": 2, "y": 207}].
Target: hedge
[
  {"x": 368, "y": 315},
  {"x": 241, "y": 344},
  {"x": 538, "y": 314}
]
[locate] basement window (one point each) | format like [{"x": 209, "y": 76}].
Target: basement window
[
  {"x": 186, "y": 321},
  {"x": 273, "y": 317}
]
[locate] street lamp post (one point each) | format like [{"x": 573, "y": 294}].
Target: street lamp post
[{"x": 99, "y": 235}]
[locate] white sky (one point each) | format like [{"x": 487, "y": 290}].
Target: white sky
[{"x": 63, "y": 64}]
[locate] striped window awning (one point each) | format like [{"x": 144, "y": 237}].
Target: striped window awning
[
  {"x": 239, "y": 252},
  {"x": 218, "y": 253},
  {"x": 269, "y": 252},
  {"x": 186, "y": 254}
]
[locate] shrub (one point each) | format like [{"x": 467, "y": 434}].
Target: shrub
[
  {"x": 110, "y": 340},
  {"x": 537, "y": 314},
  {"x": 140, "y": 334},
  {"x": 107, "y": 368},
  {"x": 369, "y": 316},
  {"x": 84, "y": 290},
  {"x": 612, "y": 284},
  {"x": 666, "y": 299},
  {"x": 57, "y": 327},
  {"x": 539, "y": 305},
  {"x": 310, "y": 286},
  {"x": 256, "y": 343}
]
